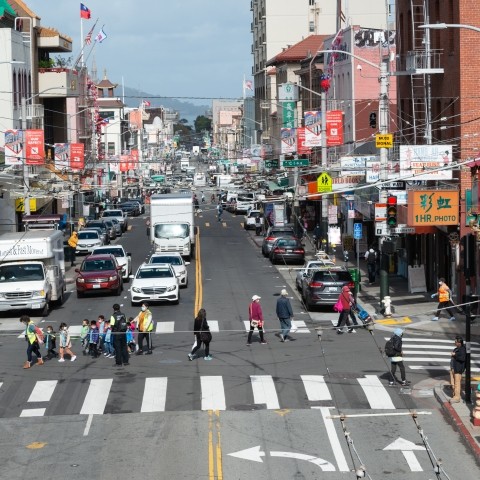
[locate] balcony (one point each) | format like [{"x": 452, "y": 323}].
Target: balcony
[
  {"x": 58, "y": 82},
  {"x": 420, "y": 62}
]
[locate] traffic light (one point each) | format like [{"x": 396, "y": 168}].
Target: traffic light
[
  {"x": 392, "y": 211},
  {"x": 373, "y": 120}
]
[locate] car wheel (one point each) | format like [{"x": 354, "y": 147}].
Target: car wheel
[
  {"x": 60, "y": 299},
  {"x": 46, "y": 308},
  {"x": 245, "y": 226},
  {"x": 118, "y": 292},
  {"x": 79, "y": 294}
]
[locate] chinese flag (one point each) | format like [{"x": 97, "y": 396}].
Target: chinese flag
[{"x": 85, "y": 12}]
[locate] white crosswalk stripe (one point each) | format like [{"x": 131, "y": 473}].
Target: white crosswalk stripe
[
  {"x": 434, "y": 354},
  {"x": 212, "y": 395}
]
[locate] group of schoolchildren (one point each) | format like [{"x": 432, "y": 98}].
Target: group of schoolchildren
[{"x": 95, "y": 337}]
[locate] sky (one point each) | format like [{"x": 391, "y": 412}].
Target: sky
[{"x": 193, "y": 50}]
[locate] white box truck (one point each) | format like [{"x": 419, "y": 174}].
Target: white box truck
[
  {"x": 32, "y": 270},
  {"x": 172, "y": 223}
]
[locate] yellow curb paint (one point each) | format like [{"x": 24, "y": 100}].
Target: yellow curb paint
[
  {"x": 282, "y": 412},
  {"x": 36, "y": 445},
  {"x": 392, "y": 321}
]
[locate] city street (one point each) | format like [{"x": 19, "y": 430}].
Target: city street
[{"x": 267, "y": 411}]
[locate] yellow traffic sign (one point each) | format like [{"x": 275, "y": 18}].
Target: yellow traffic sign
[
  {"x": 324, "y": 183},
  {"x": 20, "y": 207},
  {"x": 384, "y": 140}
]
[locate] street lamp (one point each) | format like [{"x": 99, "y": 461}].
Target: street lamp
[{"x": 442, "y": 26}]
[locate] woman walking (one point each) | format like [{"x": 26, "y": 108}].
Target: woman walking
[
  {"x": 65, "y": 343},
  {"x": 32, "y": 342},
  {"x": 347, "y": 300},
  {"x": 255, "y": 315},
  {"x": 202, "y": 335}
]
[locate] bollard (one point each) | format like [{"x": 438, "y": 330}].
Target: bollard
[{"x": 476, "y": 409}]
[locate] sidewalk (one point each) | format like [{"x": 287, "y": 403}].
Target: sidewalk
[{"x": 414, "y": 311}]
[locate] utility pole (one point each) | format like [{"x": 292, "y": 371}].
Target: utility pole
[
  {"x": 26, "y": 178},
  {"x": 323, "y": 106}
]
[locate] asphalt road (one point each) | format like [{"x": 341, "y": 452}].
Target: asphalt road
[{"x": 263, "y": 411}]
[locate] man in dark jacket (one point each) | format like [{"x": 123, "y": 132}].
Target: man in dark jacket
[
  {"x": 118, "y": 322},
  {"x": 284, "y": 314},
  {"x": 397, "y": 359},
  {"x": 457, "y": 367}
]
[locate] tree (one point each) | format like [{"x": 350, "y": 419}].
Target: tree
[{"x": 202, "y": 123}]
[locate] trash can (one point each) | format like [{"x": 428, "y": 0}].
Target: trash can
[
  {"x": 67, "y": 252},
  {"x": 357, "y": 278}
]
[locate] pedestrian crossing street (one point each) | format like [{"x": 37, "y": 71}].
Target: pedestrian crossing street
[
  {"x": 159, "y": 394},
  {"x": 434, "y": 354}
]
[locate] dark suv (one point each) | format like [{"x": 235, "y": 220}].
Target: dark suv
[
  {"x": 323, "y": 286},
  {"x": 272, "y": 234}
]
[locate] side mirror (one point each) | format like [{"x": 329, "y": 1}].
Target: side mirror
[
  {"x": 187, "y": 263},
  {"x": 77, "y": 270}
]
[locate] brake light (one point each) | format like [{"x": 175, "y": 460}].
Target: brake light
[
  {"x": 298, "y": 250},
  {"x": 315, "y": 284},
  {"x": 279, "y": 250},
  {"x": 270, "y": 239}
]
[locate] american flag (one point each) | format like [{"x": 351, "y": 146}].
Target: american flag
[{"x": 88, "y": 38}]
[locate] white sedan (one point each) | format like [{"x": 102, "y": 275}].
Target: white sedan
[
  {"x": 177, "y": 262},
  {"x": 123, "y": 258},
  {"x": 155, "y": 283},
  {"x": 88, "y": 240},
  {"x": 308, "y": 267}
]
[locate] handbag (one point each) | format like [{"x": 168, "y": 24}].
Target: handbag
[
  {"x": 254, "y": 323},
  {"x": 338, "y": 307},
  {"x": 206, "y": 336}
]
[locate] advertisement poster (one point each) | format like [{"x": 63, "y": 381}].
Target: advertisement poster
[
  {"x": 124, "y": 162},
  {"x": 313, "y": 129},
  {"x": 425, "y": 161},
  {"x": 334, "y": 128},
  {"x": 433, "y": 207},
  {"x": 77, "y": 156},
  {"x": 288, "y": 140},
  {"x": 13, "y": 147},
  {"x": 34, "y": 147},
  {"x": 302, "y": 149},
  {"x": 61, "y": 156}
]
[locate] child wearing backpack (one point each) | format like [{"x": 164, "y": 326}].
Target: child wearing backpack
[
  {"x": 65, "y": 343},
  {"x": 51, "y": 343},
  {"x": 108, "y": 341},
  {"x": 130, "y": 338},
  {"x": 93, "y": 339}
]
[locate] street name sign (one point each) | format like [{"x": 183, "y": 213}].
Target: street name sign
[{"x": 299, "y": 162}]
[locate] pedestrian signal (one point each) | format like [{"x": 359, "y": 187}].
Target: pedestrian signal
[
  {"x": 373, "y": 120},
  {"x": 392, "y": 211}
]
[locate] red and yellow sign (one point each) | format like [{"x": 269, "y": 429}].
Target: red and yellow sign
[
  {"x": 34, "y": 147},
  {"x": 433, "y": 207},
  {"x": 77, "y": 156}
]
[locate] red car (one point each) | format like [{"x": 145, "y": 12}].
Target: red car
[{"x": 99, "y": 274}]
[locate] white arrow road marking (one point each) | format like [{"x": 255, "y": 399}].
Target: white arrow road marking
[
  {"x": 254, "y": 454},
  {"x": 407, "y": 447}
]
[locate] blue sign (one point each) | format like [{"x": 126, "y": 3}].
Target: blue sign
[{"x": 357, "y": 231}]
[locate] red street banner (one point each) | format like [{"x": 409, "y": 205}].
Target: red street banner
[
  {"x": 301, "y": 148},
  {"x": 77, "y": 156},
  {"x": 124, "y": 160},
  {"x": 133, "y": 161},
  {"x": 34, "y": 147},
  {"x": 334, "y": 128}
]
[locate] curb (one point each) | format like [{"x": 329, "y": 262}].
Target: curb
[{"x": 456, "y": 422}]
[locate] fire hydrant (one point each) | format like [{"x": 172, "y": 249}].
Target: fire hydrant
[
  {"x": 387, "y": 306},
  {"x": 476, "y": 409}
]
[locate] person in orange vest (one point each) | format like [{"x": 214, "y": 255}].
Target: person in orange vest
[
  {"x": 444, "y": 295},
  {"x": 72, "y": 243}
]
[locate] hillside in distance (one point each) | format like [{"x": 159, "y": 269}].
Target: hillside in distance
[{"x": 187, "y": 110}]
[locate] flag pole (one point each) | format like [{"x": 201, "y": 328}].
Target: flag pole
[
  {"x": 81, "y": 41},
  {"x": 243, "y": 85}
]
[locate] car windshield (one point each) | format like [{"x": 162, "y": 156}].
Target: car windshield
[
  {"x": 112, "y": 213},
  {"x": 87, "y": 235},
  {"x": 172, "y": 260},
  {"x": 97, "y": 265},
  {"x": 155, "y": 273},
  {"x": 332, "y": 276},
  {"x": 21, "y": 273},
  {"x": 97, "y": 225},
  {"x": 117, "y": 252},
  {"x": 287, "y": 242},
  {"x": 166, "y": 230}
]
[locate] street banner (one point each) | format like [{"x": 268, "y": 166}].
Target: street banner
[
  {"x": 334, "y": 128},
  {"x": 77, "y": 156},
  {"x": 421, "y": 160},
  {"x": 288, "y": 114},
  {"x": 124, "y": 162},
  {"x": 289, "y": 140},
  {"x": 302, "y": 149},
  {"x": 313, "y": 129},
  {"x": 61, "y": 156},
  {"x": 13, "y": 147},
  {"x": 34, "y": 147}
]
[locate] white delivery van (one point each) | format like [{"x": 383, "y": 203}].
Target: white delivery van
[
  {"x": 32, "y": 270},
  {"x": 184, "y": 164},
  {"x": 172, "y": 223}
]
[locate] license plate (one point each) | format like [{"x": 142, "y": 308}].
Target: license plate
[
  {"x": 35, "y": 306},
  {"x": 96, "y": 286},
  {"x": 289, "y": 250},
  {"x": 332, "y": 289}
]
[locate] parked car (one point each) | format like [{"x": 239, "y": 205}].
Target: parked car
[
  {"x": 112, "y": 231},
  {"x": 307, "y": 268},
  {"x": 141, "y": 202},
  {"x": 272, "y": 234},
  {"x": 249, "y": 218},
  {"x": 154, "y": 283},
  {"x": 87, "y": 241},
  {"x": 177, "y": 262},
  {"x": 123, "y": 258},
  {"x": 287, "y": 250},
  {"x": 131, "y": 209},
  {"x": 119, "y": 215},
  {"x": 103, "y": 228},
  {"x": 99, "y": 274},
  {"x": 117, "y": 225},
  {"x": 323, "y": 286}
]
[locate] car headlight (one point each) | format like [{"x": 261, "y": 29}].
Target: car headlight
[
  {"x": 2, "y": 295},
  {"x": 80, "y": 280},
  {"x": 136, "y": 290},
  {"x": 112, "y": 278},
  {"x": 181, "y": 272},
  {"x": 171, "y": 288},
  {"x": 38, "y": 293}
]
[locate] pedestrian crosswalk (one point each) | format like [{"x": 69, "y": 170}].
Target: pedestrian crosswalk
[
  {"x": 101, "y": 396},
  {"x": 434, "y": 354}
]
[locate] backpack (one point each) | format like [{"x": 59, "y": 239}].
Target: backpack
[
  {"x": 120, "y": 322},
  {"x": 372, "y": 257},
  {"x": 39, "y": 335},
  {"x": 389, "y": 349}
]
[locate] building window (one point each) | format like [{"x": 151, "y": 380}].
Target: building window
[
  {"x": 311, "y": 3},
  {"x": 311, "y": 26}
]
